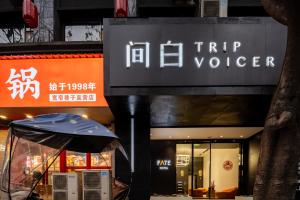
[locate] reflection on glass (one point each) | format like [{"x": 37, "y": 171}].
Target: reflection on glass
[
  {"x": 76, "y": 159},
  {"x": 28, "y": 164},
  {"x": 101, "y": 159},
  {"x": 34, "y": 162},
  {"x": 55, "y": 167},
  {"x": 3, "y": 138},
  {"x": 201, "y": 174},
  {"x": 183, "y": 168},
  {"x": 225, "y": 161}
]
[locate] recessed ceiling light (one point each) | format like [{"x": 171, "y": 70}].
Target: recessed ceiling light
[
  {"x": 188, "y": 136},
  {"x": 170, "y": 137},
  {"x": 85, "y": 116},
  {"x": 221, "y": 136},
  {"x": 241, "y": 136},
  {"x": 3, "y": 117},
  {"x": 29, "y": 116}
]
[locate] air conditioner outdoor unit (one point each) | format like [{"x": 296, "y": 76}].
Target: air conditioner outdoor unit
[
  {"x": 214, "y": 8},
  {"x": 65, "y": 186},
  {"x": 97, "y": 185}
]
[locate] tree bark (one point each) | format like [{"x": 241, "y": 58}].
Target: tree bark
[
  {"x": 278, "y": 9},
  {"x": 276, "y": 177}
]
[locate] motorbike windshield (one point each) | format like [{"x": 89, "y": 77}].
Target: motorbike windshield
[{"x": 25, "y": 164}]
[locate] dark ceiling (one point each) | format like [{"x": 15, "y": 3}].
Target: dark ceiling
[
  {"x": 195, "y": 111},
  {"x": 169, "y": 111}
]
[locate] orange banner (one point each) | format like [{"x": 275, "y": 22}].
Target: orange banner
[{"x": 52, "y": 81}]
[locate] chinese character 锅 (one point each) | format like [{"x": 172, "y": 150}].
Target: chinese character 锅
[{"x": 23, "y": 82}]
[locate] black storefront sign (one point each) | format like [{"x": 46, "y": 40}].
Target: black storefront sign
[
  {"x": 163, "y": 167},
  {"x": 193, "y": 52}
]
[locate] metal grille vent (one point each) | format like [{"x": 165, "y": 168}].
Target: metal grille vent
[
  {"x": 60, "y": 182},
  {"x": 92, "y": 195},
  {"x": 92, "y": 180},
  {"x": 60, "y": 195}
]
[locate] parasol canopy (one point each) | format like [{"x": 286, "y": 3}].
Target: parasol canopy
[{"x": 84, "y": 135}]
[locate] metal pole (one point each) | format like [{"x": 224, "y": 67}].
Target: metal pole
[
  {"x": 210, "y": 191},
  {"x": 192, "y": 189},
  {"x": 132, "y": 143}
]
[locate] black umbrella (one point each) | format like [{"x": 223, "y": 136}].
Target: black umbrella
[{"x": 83, "y": 135}]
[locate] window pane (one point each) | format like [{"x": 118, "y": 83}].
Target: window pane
[
  {"x": 28, "y": 164},
  {"x": 44, "y": 32},
  {"x": 201, "y": 175},
  {"x": 76, "y": 159},
  {"x": 55, "y": 167},
  {"x": 225, "y": 161},
  {"x": 84, "y": 33},
  {"x": 101, "y": 159},
  {"x": 3, "y": 138},
  {"x": 12, "y": 35}
]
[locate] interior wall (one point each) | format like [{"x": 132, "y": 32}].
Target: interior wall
[
  {"x": 206, "y": 168},
  {"x": 223, "y": 179}
]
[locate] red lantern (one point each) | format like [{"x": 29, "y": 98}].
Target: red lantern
[
  {"x": 30, "y": 14},
  {"x": 121, "y": 8}
]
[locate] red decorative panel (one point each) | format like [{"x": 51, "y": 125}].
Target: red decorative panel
[
  {"x": 121, "y": 8},
  {"x": 30, "y": 14}
]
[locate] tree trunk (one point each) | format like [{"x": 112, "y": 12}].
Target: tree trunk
[{"x": 276, "y": 177}]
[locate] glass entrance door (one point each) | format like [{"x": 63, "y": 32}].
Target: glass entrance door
[
  {"x": 208, "y": 170},
  {"x": 183, "y": 169},
  {"x": 225, "y": 163},
  {"x": 201, "y": 170}
]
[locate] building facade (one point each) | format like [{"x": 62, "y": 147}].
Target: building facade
[{"x": 187, "y": 85}]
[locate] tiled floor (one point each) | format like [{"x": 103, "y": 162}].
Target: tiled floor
[
  {"x": 179, "y": 198},
  {"x": 170, "y": 198}
]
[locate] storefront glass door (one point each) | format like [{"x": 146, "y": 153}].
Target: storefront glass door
[
  {"x": 184, "y": 169},
  {"x": 201, "y": 170},
  {"x": 225, "y": 162},
  {"x": 208, "y": 170}
]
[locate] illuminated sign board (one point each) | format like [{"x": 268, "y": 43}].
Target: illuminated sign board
[
  {"x": 52, "y": 81},
  {"x": 163, "y": 164},
  {"x": 193, "y": 52}
]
